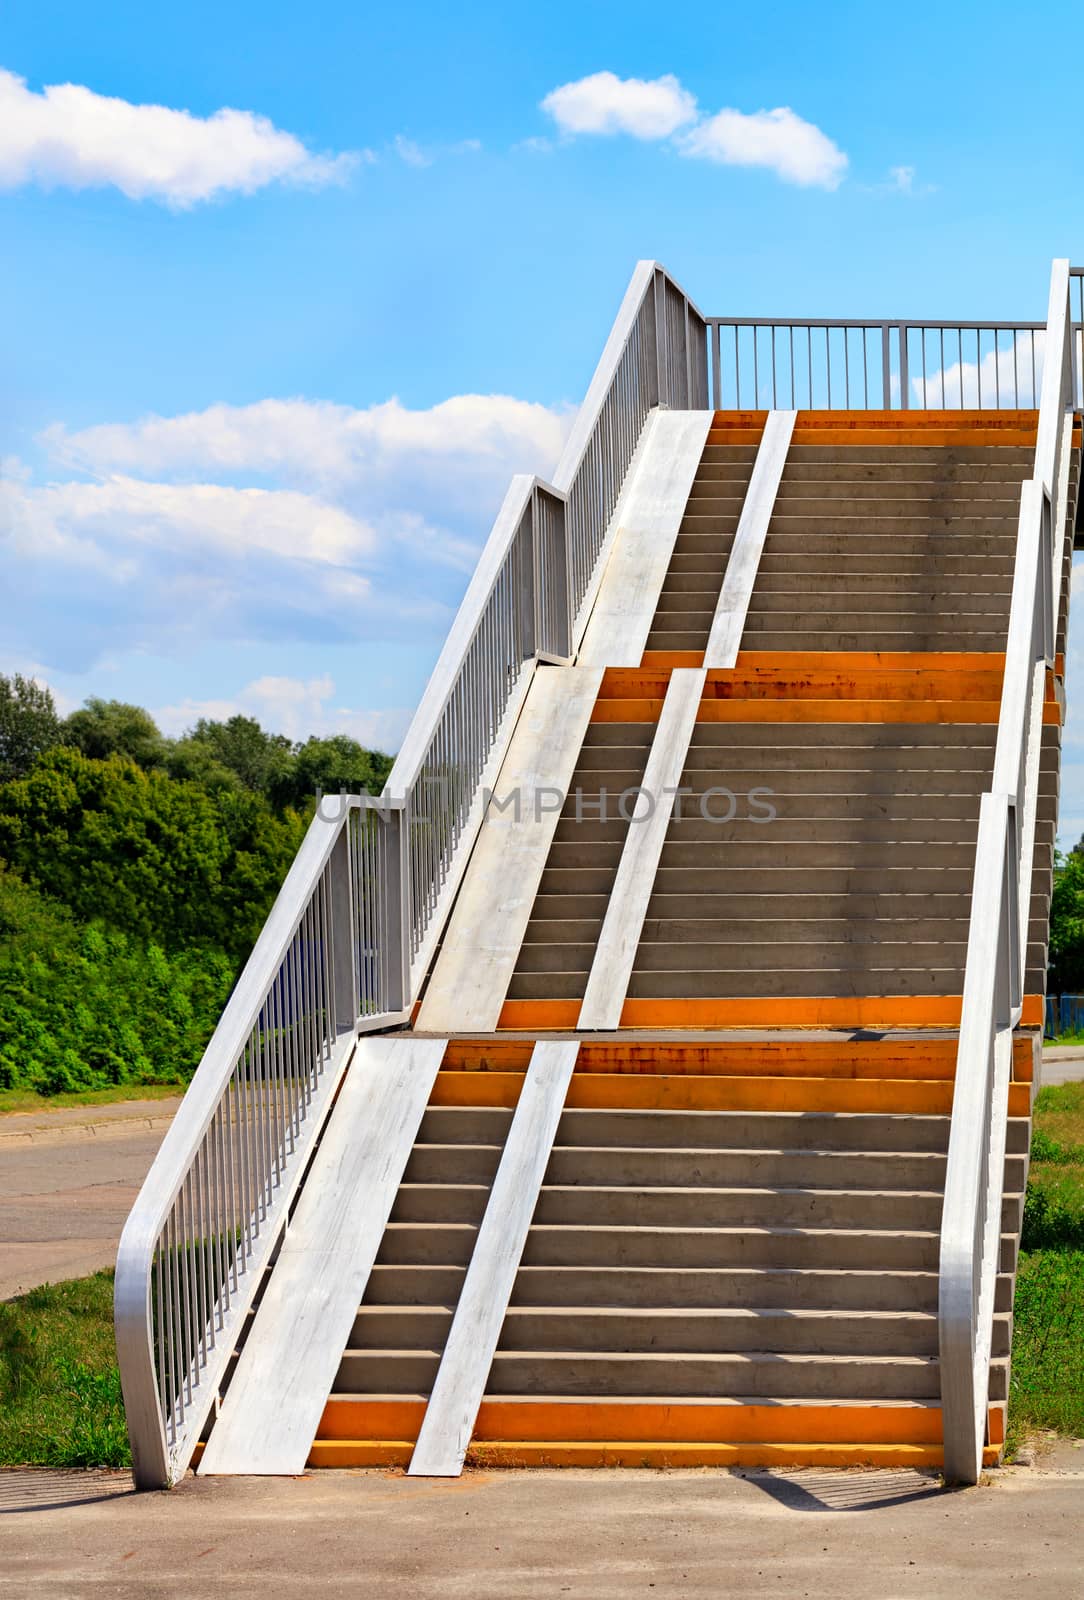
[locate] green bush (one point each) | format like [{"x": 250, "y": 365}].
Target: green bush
[{"x": 84, "y": 1007}]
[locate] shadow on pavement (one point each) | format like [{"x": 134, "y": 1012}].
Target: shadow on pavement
[
  {"x": 844, "y": 1491},
  {"x": 42, "y": 1489}
]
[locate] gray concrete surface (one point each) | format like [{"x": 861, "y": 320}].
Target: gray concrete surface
[
  {"x": 527, "y": 1535},
  {"x": 67, "y": 1181},
  {"x": 1062, "y": 1063}
]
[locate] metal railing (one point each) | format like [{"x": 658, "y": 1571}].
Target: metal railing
[
  {"x": 997, "y": 935},
  {"x": 531, "y": 592},
  {"x": 357, "y": 918},
  {"x": 218, "y": 1193},
  {"x": 826, "y": 364}
]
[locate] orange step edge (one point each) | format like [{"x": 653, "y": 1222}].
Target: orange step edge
[
  {"x": 707, "y": 1422},
  {"x": 927, "y": 1059},
  {"x": 627, "y": 1091},
  {"x": 342, "y": 1453},
  {"x": 780, "y": 1011}
]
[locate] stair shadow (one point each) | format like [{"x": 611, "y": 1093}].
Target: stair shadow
[
  {"x": 43, "y": 1489},
  {"x": 843, "y": 1490}
]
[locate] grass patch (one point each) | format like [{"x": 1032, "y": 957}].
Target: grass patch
[
  {"x": 60, "y": 1399},
  {"x": 1047, "y": 1389},
  {"x": 1048, "y": 1344},
  {"x": 12, "y": 1100}
]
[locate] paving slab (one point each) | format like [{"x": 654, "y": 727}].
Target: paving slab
[{"x": 523, "y": 1535}]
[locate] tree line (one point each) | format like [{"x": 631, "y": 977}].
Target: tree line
[{"x": 135, "y": 874}]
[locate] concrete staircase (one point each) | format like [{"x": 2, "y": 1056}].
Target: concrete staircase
[{"x": 733, "y": 1257}]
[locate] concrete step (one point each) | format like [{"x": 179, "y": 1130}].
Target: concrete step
[
  {"x": 766, "y": 1130},
  {"x": 909, "y": 637},
  {"x": 656, "y": 1207},
  {"x": 795, "y": 564},
  {"x": 541, "y": 1372},
  {"x": 895, "y": 736},
  {"x": 797, "y": 1249},
  {"x": 743, "y": 983},
  {"x": 810, "y": 599},
  {"x": 1010, "y": 458},
  {"x": 932, "y": 543}
]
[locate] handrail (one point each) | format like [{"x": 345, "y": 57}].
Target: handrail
[
  {"x": 530, "y": 596},
  {"x": 217, "y": 1196},
  {"x": 996, "y": 964},
  {"x": 362, "y": 906},
  {"x": 889, "y": 363}
]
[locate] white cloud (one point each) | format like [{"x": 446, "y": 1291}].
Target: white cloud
[
  {"x": 465, "y": 447},
  {"x": 1004, "y": 377},
  {"x": 661, "y": 108},
  {"x": 296, "y": 707},
  {"x": 284, "y": 520},
  {"x": 70, "y": 136},
  {"x": 903, "y": 179},
  {"x": 795, "y": 150},
  {"x": 604, "y": 103},
  {"x": 125, "y": 512},
  {"x": 410, "y": 152}
]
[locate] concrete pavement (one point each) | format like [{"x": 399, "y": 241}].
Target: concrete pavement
[
  {"x": 527, "y": 1535},
  {"x": 67, "y": 1181}
]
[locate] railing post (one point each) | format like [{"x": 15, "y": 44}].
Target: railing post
[
  {"x": 343, "y": 927},
  {"x": 661, "y": 340},
  {"x": 395, "y": 904},
  {"x": 552, "y": 588},
  {"x": 886, "y": 368},
  {"x": 905, "y": 398}
]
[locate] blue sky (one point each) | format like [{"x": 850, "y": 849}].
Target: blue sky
[{"x": 266, "y": 376}]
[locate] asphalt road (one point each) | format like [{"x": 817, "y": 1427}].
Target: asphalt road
[{"x": 67, "y": 1182}]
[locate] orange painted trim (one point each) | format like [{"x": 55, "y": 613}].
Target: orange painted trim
[
  {"x": 831, "y": 677},
  {"x": 864, "y": 1011},
  {"x": 942, "y": 438},
  {"x": 476, "y": 1088},
  {"x": 626, "y": 711},
  {"x": 539, "y": 1016},
  {"x": 800, "y": 660},
  {"x": 329, "y": 1453},
  {"x": 927, "y": 1059},
  {"x": 488, "y": 1055},
  {"x": 371, "y": 1419},
  {"x": 686, "y": 1092},
  {"x": 522, "y": 1453},
  {"x": 707, "y": 1421},
  {"x": 920, "y": 417}
]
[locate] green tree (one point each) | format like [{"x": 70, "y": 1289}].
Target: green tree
[
  {"x": 29, "y": 724},
  {"x": 330, "y": 765},
  {"x": 257, "y": 758},
  {"x": 106, "y": 728},
  {"x": 1067, "y": 924},
  {"x": 159, "y": 859}
]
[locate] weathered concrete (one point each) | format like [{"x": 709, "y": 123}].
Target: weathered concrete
[
  {"x": 67, "y": 1182},
  {"x": 589, "y": 1536}
]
